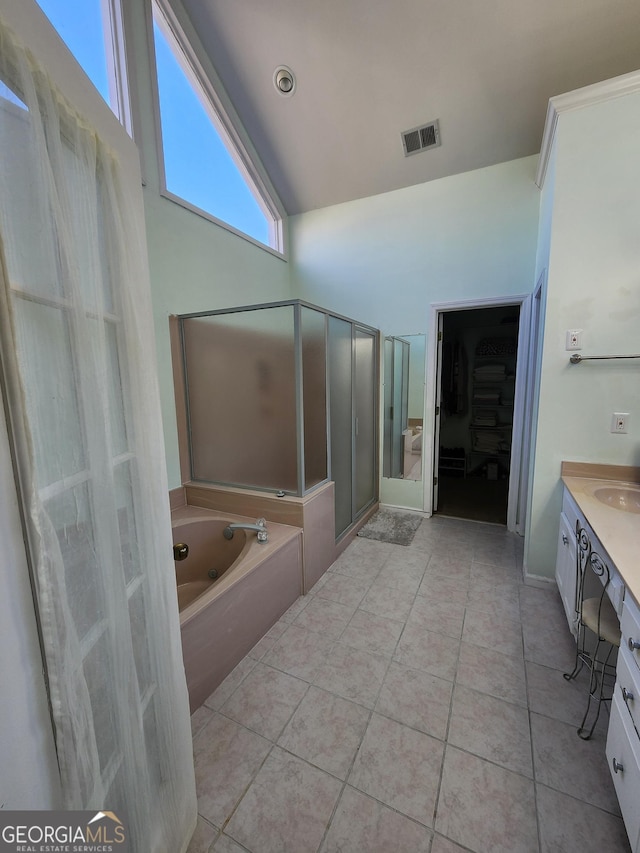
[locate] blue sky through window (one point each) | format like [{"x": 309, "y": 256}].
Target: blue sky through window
[
  {"x": 79, "y": 25},
  {"x": 198, "y": 167},
  {"x": 9, "y": 95}
]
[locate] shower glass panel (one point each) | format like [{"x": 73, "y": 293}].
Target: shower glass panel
[
  {"x": 282, "y": 397},
  {"x": 365, "y": 427},
  {"x": 340, "y": 401},
  {"x": 240, "y": 374},
  {"x": 399, "y": 405},
  {"x": 314, "y": 391},
  {"x": 388, "y": 408}
]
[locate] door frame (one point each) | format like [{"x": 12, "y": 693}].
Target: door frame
[
  {"x": 521, "y": 442},
  {"x": 535, "y": 306}
]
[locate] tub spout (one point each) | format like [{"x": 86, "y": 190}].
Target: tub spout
[{"x": 260, "y": 527}]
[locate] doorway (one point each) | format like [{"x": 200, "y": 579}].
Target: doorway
[{"x": 475, "y": 405}]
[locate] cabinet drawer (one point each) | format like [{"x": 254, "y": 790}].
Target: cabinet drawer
[
  {"x": 628, "y": 685},
  {"x": 623, "y": 748},
  {"x": 630, "y": 627}
]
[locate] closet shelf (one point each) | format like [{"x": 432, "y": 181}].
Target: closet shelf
[{"x": 492, "y": 374}]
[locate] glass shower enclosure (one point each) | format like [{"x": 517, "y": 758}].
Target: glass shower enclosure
[{"x": 282, "y": 398}]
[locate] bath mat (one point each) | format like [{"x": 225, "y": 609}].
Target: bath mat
[{"x": 392, "y": 526}]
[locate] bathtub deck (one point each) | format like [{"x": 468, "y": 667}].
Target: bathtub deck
[{"x": 220, "y": 626}]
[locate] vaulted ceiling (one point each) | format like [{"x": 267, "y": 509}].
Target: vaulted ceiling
[{"x": 366, "y": 70}]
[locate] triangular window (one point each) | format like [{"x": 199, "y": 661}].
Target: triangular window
[{"x": 204, "y": 165}]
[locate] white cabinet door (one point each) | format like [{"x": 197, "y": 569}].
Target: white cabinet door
[
  {"x": 566, "y": 571},
  {"x": 624, "y": 764}
]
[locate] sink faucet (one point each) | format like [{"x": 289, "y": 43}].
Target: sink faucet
[{"x": 260, "y": 527}]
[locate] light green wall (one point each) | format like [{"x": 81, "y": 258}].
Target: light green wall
[
  {"x": 384, "y": 259},
  {"x": 195, "y": 264},
  {"x": 417, "y": 357},
  {"x": 590, "y": 236}
]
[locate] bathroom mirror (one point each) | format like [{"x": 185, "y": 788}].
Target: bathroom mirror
[{"x": 404, "y": 386}]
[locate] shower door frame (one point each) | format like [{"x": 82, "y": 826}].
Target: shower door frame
[{"x": 182, "y": 403}]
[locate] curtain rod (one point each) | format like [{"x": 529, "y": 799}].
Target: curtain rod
[{"x": 576, "y": 358}]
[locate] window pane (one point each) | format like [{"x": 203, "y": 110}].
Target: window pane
[
  {"x": 114, "y": 386},
  {"x": 72, "y": 519},
  {"x": 198, "y": 167},
  {"x": 50, "y": 388},
  {"x": 98, "y": 673},
  {"x": 138, "y": 610},
  {"x": 79, "y": 25},
  {"x": 32, "y": 264},
  {"x": 125, "y": 488},
  {"x": 8, "y": 94}
]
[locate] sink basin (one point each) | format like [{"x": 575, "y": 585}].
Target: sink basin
[{"x": 619, "y": 497}]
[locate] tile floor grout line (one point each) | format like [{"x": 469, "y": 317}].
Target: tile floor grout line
[
  {"x": 444, "y": 531},
  {"x": 448, "y": 727},
  {"x": 531, "y": 747},
  {"x": 345, "y": 783}
]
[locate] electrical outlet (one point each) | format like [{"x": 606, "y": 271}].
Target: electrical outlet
[
  {"x": 574, "y": 339},
  {"x": 620, "y": 422}
]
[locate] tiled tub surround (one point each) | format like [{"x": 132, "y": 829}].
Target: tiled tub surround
[
  {"x": 413, "y": 702},
  {"x": 221, "y": 625}
]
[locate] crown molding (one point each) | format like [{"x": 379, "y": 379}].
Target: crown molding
[{"x": 588, "y": 96}]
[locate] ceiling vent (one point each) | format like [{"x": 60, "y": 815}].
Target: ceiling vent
[{"x": 420, "y": 138}]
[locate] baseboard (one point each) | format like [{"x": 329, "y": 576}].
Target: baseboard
[
  {"x": 177, "y": 498},
  {"x": 539, "y": 581},
  {"x": 406, "y": 509}
]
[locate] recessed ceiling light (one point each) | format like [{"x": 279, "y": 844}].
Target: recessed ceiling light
[{"x": 284, "y": 81}]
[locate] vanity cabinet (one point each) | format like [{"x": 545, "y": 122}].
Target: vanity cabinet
[
  {"x": 572, "y": 520},
  {"x": 623, "y": 740},
  {"x": 566, "y": 570}
]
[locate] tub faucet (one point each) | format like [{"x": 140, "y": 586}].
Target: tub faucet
[{"x": 260, "y": 527}]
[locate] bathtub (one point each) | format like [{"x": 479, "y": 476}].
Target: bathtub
[{"x": 223, "y": 617}]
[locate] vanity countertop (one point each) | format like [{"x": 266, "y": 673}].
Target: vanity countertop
[{"x": 618, "y": 530}]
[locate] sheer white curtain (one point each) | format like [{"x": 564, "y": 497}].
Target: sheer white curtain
[{"x": 79, "y": 373}]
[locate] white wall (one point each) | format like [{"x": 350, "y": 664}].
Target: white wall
[
  {"x": 591, "y": 237},
  {"x": 384, "y": 259}
]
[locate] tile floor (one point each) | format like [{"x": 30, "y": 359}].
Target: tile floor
[{"x": 413, "y": 702}]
